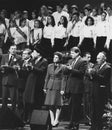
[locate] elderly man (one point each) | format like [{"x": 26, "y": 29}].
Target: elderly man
[{"x": 101, "y": 74}]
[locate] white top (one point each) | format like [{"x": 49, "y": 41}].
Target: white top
[
  {"x": 58, "y": 15},
  {"x": 60, "y": 32},
  {"x": 19, "y": 38},
  {"x": 88, "y": 31},
  {"x": 37, "y": 34},
  {"x": 7, "y": 22},
  {"x": 2, "y": 29},
  {"x": 102, "y": 28},
  {"x": 48, "y": 32},
  {"x": 31, "y": 24},
  {"x": 17, "y": 21},
  {"x": 74, "y": 29}
]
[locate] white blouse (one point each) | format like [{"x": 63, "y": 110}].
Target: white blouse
[
  {"x": 74, "y": 29},
  {"x": 37, "y": 34},
  {"x": 31, "y": 24},
  {"x": 48, "y": 32},
  {"x": 102, "y": 28},
  {"x": 60, "y": 32}
]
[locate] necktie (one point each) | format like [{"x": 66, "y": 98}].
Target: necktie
[{"x": 10, "y": 60}]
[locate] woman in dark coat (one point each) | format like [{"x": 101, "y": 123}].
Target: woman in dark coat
[{"x": 54, "y": 88}]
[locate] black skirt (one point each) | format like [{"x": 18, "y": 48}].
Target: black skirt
[
  {"x": 59, "y": 44},
  {"x": 73, "y": 41},
  {"x": 87, "y": 45},
  {"x": 47, "y": 48},
  {"x": 100, "y": 42}
]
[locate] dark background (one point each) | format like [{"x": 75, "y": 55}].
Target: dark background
[{"x": 30, "y": 5}]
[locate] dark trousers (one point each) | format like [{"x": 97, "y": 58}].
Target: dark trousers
[
  {"x": 98, "y": 104},
  {"x": 75, "y": 104},
  {"x": 11, "y": 92}
]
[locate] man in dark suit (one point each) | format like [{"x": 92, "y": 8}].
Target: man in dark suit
[
  {"x": 33, "y": 94},
  {"x": 9, "y": 65},
  {"x": 75, "y": 87},
  {"x": 101, "y": 74}
]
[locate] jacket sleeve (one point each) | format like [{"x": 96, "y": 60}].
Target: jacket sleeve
[
  {"x": 103, "y": 79},
  {"x": 81, "y": 71},
  {"x": 46, "y": 78},
  {"x": 42, "y": 68}
]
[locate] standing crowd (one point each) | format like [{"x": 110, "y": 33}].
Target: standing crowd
[{"x": 57, "y": 55}]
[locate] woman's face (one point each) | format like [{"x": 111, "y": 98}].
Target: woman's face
[
  {"x": 103, "y": 16},
  {"x": 94, "y": 12},
  {"x": 49, "y": 20},
  {"x": 23, "y": 23},
  {"x": 89, "y": 22},
  {"x": 62, "y": 20},
  {"x": 56, "y": 58},
  {"x": 36, "y": 24},
  {"x": 11, "y": 24},
  {"x": 33, "y": 15}
]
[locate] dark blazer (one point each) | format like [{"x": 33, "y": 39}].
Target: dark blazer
[
  {"x": 10, "y": 76},
  {"x": 54, "y": 77},
  {"x": 101, "y": 78},
  {"x": 76, "y": 75},
  {"x": 35, "y": 80}
]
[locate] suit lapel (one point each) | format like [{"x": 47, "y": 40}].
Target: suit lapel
[{"x": 77, "y": 62}]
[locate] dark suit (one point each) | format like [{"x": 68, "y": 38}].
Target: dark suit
[
  {"x": 75, "y": 87},
  {"x": 33, "y": 94},
  {"x": 101, "y": 91},
  {"x": 9, "y": 79}
]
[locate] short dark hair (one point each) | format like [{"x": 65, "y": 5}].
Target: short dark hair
[
  {"x": 86, "y": 53},
  {"x": 59, "y": 54},
  {"x": 86, "y": 21},
  {"x": 36, "y": 20},
  {"x": 76, "y": 50},
  {"x": 76, "y": 13},
  {"x": 60, "y": 5}
]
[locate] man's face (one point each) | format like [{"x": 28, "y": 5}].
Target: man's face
[
  {"x": 88, "y": 57},
  {"x": 100, "y": 58},
  {"x": 58, "y": 8},
  {"x": 12, "y": 50},
  {"x": 35, "y": 54},
  {"x": 25, "y": 55},
  {"x": 74, "y": 54}
]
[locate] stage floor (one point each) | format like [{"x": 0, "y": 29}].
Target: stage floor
[{"x": 62, "y": 126}]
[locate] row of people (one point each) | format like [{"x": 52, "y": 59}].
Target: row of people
[
  {"x": 24, "y": 78},
  {"x": 74, "y": 79},
  {"x": 59, "y": 31}
]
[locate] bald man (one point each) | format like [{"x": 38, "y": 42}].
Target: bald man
[{"x": 101, "y": 74}]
